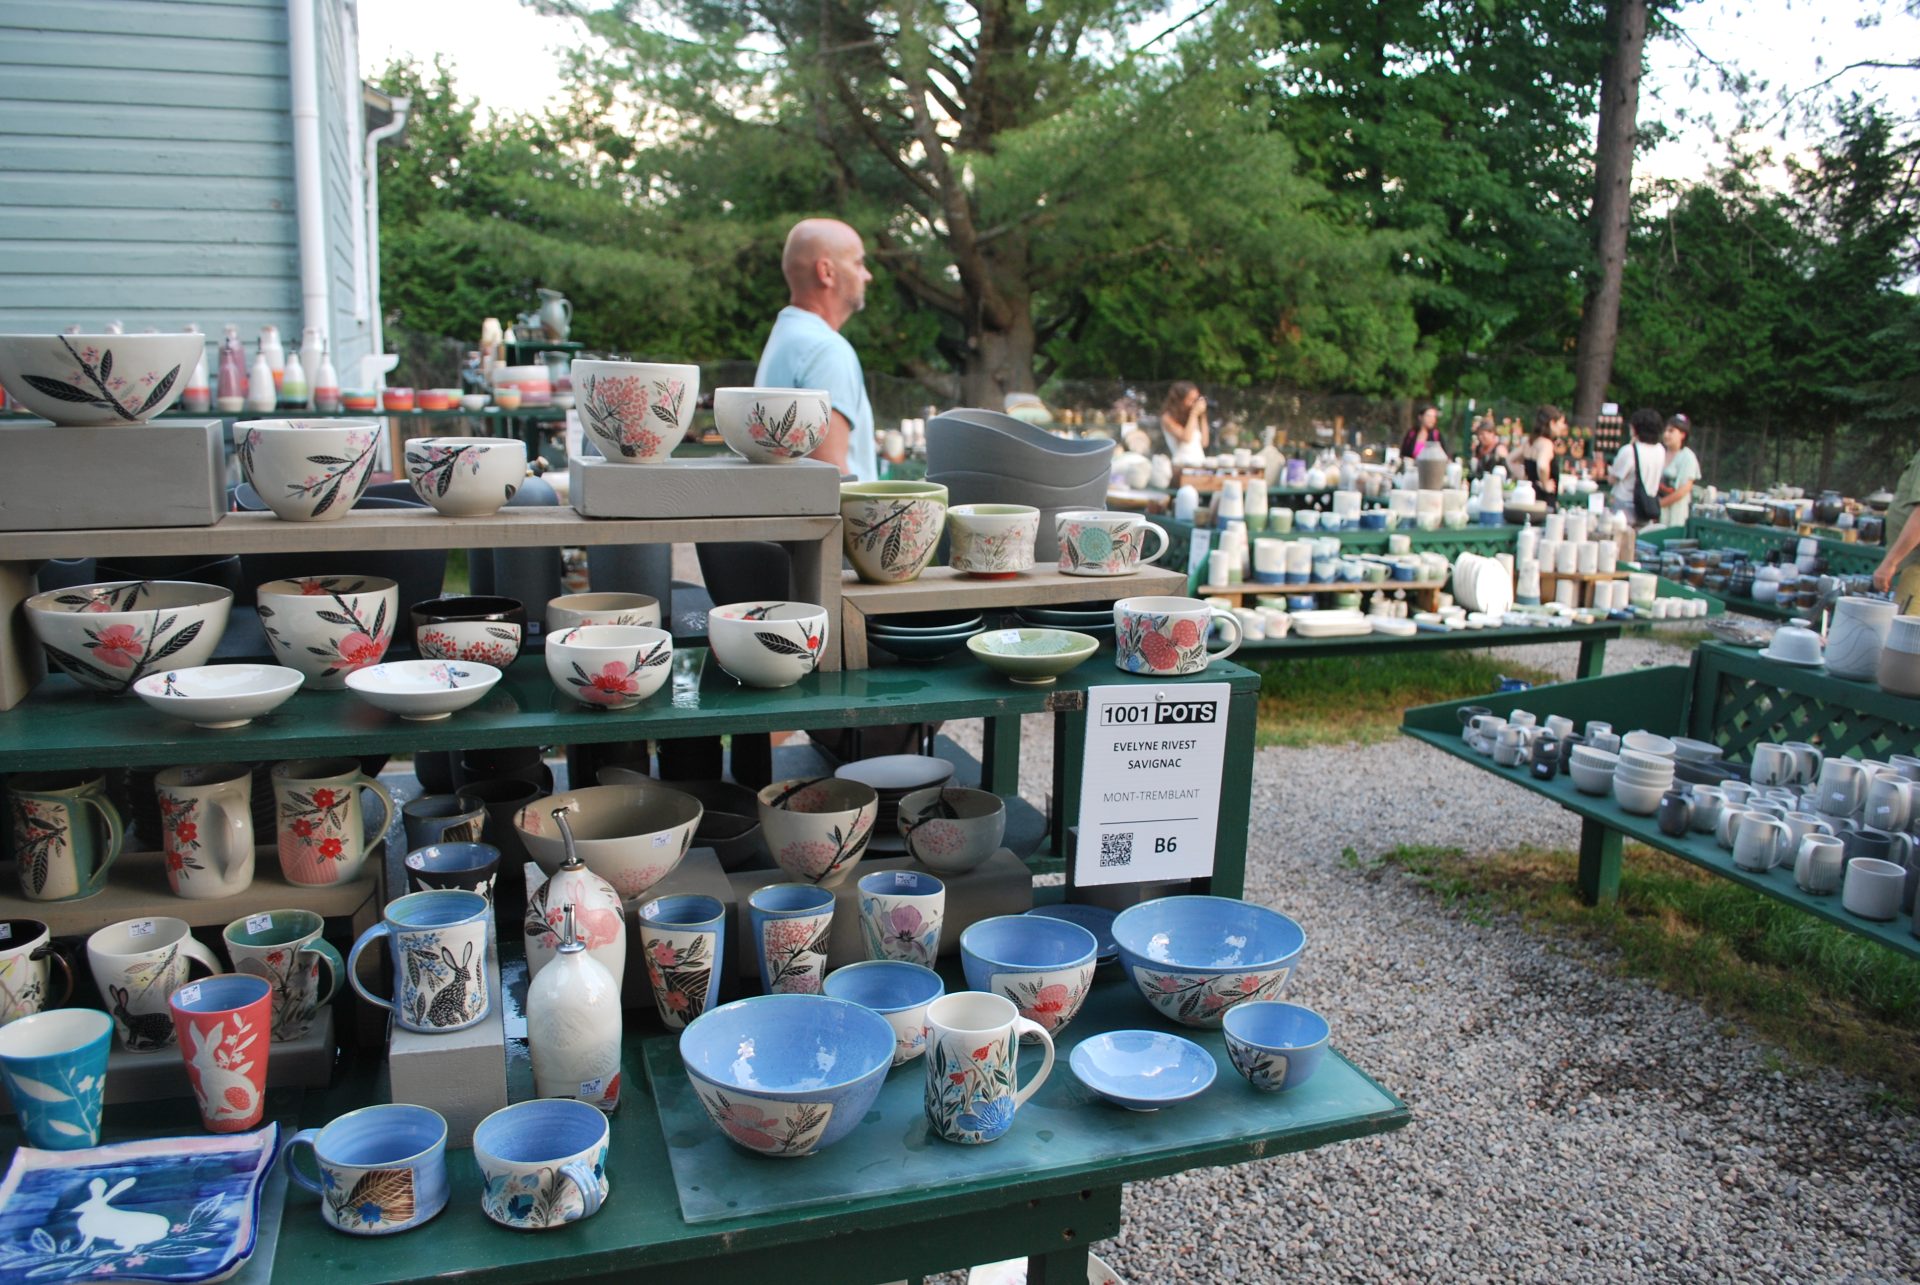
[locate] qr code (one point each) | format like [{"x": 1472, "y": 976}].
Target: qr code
[{"x": 1116, "y": 848}]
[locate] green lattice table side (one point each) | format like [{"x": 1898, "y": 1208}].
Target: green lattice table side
[
  {"x": 1740, "y": 700},
  {"x": 1843, "y": 559}
]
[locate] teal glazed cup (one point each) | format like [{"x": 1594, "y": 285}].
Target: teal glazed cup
[
  {"x": 55, "y": 1068},
  {"x": 439, "y": 944},
  {"x": 790, "y": 924},
  {"x": 65, "y": 834},
  {"x": 377, "y": 1171},
  {"x": 286, "y": 948},
  {"x": 684, "y": 938},
  {"x": 542, "y": 1163}
]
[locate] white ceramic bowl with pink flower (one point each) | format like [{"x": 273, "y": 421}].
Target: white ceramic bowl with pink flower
[
  {"x": 307, "y": 470},
  {"x": 87, "y": 381},
  {"x": 609, "y": 666},
  {"x": 633, "y": 836},
  {"x": 110, "y": 635},
  {"x": 772, "y": 425},
  {"x": 329, "y": 626},
  {"x": 950, "y": 829},
  {"x": 818, "y": 828},
  {"x": 636, "y": 411}
]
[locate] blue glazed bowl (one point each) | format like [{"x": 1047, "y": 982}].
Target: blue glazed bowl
[
  {"x": 1142, "y": 1070},
  {"x": 786, "y": 1075},
  {"x": 897, "y": 990},
  {"x": 1196, "y": 958},
  {"x": 1373, "y": 520},
  {"x": 1045, "y": 966},
  {"x": 1276, "y": 1046},
  {"x": 1097, "y": 920}
]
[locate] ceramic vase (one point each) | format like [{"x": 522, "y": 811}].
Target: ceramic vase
[
  {"x": 598, "y": 918},
  {"x": 573, "y": 1025},
  {"x": 1899, "y": 668},
  {"x": 1855, "y": 639}
]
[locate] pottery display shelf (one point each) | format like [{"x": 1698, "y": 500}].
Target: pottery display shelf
[
  {"x": 812, "y": 543},
  {"x": 1424, "y": 593},
  {"x": 1593, "y": 640}
]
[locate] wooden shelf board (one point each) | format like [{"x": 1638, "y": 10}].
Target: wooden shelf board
[{"x": 137, "y": 886}]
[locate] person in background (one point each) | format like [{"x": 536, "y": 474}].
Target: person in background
[
  {"x": 1642, "y": 457},
  {"x": 1899, "y": 571},
  {"x": 826, "y": 270},
  {"x": 1183, "y": 420},
  {"x": 1426, "y": 429},
  {"x": 1678, "y": 477},
  {"x": 1489, "y": 451},
  {"x": 1539, "y": 458}
]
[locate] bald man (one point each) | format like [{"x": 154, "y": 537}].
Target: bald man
[{"x": 826, "y": 270}]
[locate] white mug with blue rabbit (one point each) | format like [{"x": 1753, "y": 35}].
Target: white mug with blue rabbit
[{"x": 439, "y": 944}]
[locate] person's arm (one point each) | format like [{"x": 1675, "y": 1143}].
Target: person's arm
[
  {"x": 1197, "y": 421},
  {"x": 833, "y": 447},
  {"x": 1181, "y": 431},
  {"x": 1908, "y": 541}
]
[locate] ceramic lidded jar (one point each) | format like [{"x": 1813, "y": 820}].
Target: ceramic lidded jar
[
  {"x": 1855, "y": 638},
  {"x": 1899, "y": 669},
  {"x": 598, "y": 916},
  {"x": 573, "y": 1025}
]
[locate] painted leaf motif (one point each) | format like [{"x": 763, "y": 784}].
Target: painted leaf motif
[
  {"x": 43, "y": 1242},
  {"x": 61, "y": 391},
  {"x": 106, "y": 365},
  {"x": 504, "y": 634},
  {"x": 70, "y": 1130},
  {"x": 159, "y": 391},
  {"x": 389, "y": 1189},
  {"x": 781, "y": 645},
  {"x": 176, "y": 642},
  {"x": 36, "y": 870},
  {"x": 73, "y": 664},
  {"x": 37, "y": 1090},
  {"x": 335, "y": 618}
]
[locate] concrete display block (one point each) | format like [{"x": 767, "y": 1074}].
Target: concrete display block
[
  {"x": 460, "y": 1074},
  {"x": 720, "y": 487},
  {"x": 170, "y": 473}
]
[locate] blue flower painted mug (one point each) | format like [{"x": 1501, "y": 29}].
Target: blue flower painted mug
[
  {"x": 55, "y": 1068},
  {"x": 973, "y": 1056},
  {"x": 378, "y": 1170},
  {"x": 439, "y": 944},
  {"x": 542, "y": 1163}
]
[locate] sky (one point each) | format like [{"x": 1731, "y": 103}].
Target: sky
[{"x": 509, "y": 58}]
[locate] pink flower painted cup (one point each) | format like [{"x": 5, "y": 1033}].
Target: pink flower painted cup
[
  {"x": 636, "y": 412},
  {"x": 321, "y": 828},
  {"x": 900, "y": 915},
  {"x": 1169, "y": 635}
]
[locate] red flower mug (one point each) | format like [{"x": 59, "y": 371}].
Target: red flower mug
[
  {"x": 1169, "y": 635},
  {"x": 322, "y": 831}
]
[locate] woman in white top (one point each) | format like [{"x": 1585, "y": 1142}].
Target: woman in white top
[
  {"x": 1681, "y": 472},
  {"x": 1183, "y": 420},
  {"x": 1641, "y": 457}
]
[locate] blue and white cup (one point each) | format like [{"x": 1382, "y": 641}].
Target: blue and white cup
[
  {"x": 1276, "y": 1045},
  {"x": 542, "y": 1163},
  {"x": 790, "y": 923},
  {"x": 1043, "y": 966},
  {"x": 899, "y": 992},
  {"x": 55, "y": 1068},
  {"x": 683, "y": 938},
  {"x": 377, "y": 1171},
  {"x": 973, "y": 1065},
  {"x": 469, "y": 866},
  {"x": 900, "y": 915},
  {"x": 439, "y": 945},
  {"x": 443, "y": 818}
]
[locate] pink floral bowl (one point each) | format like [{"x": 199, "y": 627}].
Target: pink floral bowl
[
  {"x": 772, "y": 425},
  {"x": 633, "y": 836},
  {"x": 108, "y": 636},
  {"x": 329, "y": 626},
  {"x": 307, "y": 470},
  {"x": 818, "y": 827},
  {"x": 950, "y": 829},
  {"x": 891, "y": 528},
  {"x": 636, "y": 412},
  {"x": 610, "y": 666},
  {"x": 92, "y": 380}
]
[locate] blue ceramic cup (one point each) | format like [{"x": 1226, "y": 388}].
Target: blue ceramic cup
[
  {"x": 790, "y": 924},
  {"x": 1045, "y": 966},
  {"x": 443, "y": 818},
  {"x": 543, "y": 1163},
  {"x": 684, "y": 938},
  {"x": 900, "y": 915},
  {"x": 898, "y": 991},
  {"x": 439, "y": 945},
  {"x": 1275, "y": 1045},
  {"x": 470, "y": 867},
  {"x": 55, "y": 1067},
  {"x": 378, "y": 1170}
]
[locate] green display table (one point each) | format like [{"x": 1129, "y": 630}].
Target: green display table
[{"x": 1593, "y": 640}]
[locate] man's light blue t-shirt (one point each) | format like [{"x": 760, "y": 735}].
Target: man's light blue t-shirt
[{"x": 805, "y": 352}]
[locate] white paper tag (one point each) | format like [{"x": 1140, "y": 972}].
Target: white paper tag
[
  {"x": 189, "y": 994},
  {"x": 259, "y": 923},
  {"x": 660, "y": 840},
  {"x": 905, "y": 879},
  {"x": 1150, "y": 788},
  {"x": 6, "y": 932},
  {"x": 593, "y": 1088},
  {"x": 140, "y": 928}
]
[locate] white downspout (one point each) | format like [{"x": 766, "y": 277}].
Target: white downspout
[
  {"x": 402, "y": 108},
  {"x": 308, "y": 190}
]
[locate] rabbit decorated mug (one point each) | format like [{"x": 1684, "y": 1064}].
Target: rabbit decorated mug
[
  {"x": 225, "y": 1024},
  {"x": 439, "y": 944},
  {"x": 138, "y": 964}
]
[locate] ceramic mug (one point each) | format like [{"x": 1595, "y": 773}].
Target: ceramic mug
[
  {"x": 790, "y": 924},
  {"x": 1802, "y": 824},
  {"x": 1870, "y": 889},
  {"x": 1773, "y": 765},
  {"x": 439, "y": 945},
  {"x": 379, "y": 1170},
  {"x": 1676, "y": 813},
  {"x": 542, "y": 1163},
  {"x": 1818, "y": 865},
  {"x": 138, "y": 964},
  {"x": 55, "y": 1068},
  {"x": 443, "y": 818},
  {"x": 285, "y": 948},
  {"x": 1807, "y": 761},
  {"x": 1096, "y": 543},
  {"x": 65, "y": 834},
  {"x": 992, "y": 541},
  {"x": 27, "y": 959},
  {"x": 224, "y": 1025},
  {"x": 973, "y": 1052},
  {"x": 206, "y": 827},
  {"x": 1843, "y": 787},
  {"x": 900, "y": 915},
  {"x": 1761, "y": 843},
  {"x": 1168, "y": 635},
  {"x": 322, "y": 832},
  {"x": 1890, "y": 801},
  {"x": 684, "y": 938},
  {"x": 1707, "y": 802}
]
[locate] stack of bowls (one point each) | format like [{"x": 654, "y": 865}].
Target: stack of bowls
[
  {"x": 985, "y": 457},
  {"x": 926, "y": 635},
  {"x": 1639, "y": 779},
  {"x": 1095, "y": 618},
  {"x": 893, "y": 777},
  {"x": 1592, "y": 769}
]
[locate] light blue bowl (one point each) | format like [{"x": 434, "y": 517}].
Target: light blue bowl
[
  {"x": 897, "y": 990},
  {"x": 1142, "y": 1070},
  {"x": 1196, "y": 958},
  {"x": 1097, "y": 920},
  {"x": 1045, "y": 966},
  {"x": 1276, "y": 1046},
  {"x": 786, "y": 1075}
]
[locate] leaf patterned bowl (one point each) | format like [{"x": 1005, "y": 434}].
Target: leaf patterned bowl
[
  {"x": 636, "y": 412},
  {"x": 610, "y": 666},
  {"x": 307, "y": 470},
  {"x": 1276, "y": 1046},
  {"x": 633, "y": 836},
  {"x": 1195, "y": 958},
  {"x": 1045, "y": 966},
  {"x": 772, "y": 425},
  {"x": 818, "y": 828},
  {"x": 768, "y": 644},
  {"x": 328, "y": 626},
  {"x": 466, "y": 477},
  {"x": 86, "y": 381},
  {"x": 816, "y": 1065},
  {"x": 110, "y": 635},
  {"x": 423, "y": 690},
  {"x": 891, "y": 528}
]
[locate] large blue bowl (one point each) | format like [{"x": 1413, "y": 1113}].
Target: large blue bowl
[
  {"x": 786, "y": 1075},
  {"x": 1195, "y": 958},
  {"x": 1276, "y": 1046}
]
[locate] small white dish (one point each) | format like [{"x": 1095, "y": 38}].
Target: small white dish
[
  {"x": 423, "y": 690},
  {"x": 219, "y": 696},
  {"x": 1769, "y": 654}
]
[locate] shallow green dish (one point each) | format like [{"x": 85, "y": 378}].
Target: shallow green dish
[{"x": 1033, "y": 656}]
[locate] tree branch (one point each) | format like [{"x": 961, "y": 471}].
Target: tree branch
[
  {"x": 900, "y": 262},
  {"x": 943, "y": 384}
]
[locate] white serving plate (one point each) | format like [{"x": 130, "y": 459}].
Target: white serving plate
[
  {"x": 423, "y": 690},
  {"x": 219, "y": 696}
]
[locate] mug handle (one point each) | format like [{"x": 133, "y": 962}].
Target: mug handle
[
  {"x": 233, "y": 821},
  {"x": 1152, "y": 529},
  {"x": 290, "y": 1161},
  {"x": 47, "y": 951},
  {"x": 379, "y": 843},
  {"x": 198, "y": 954},
  {"x": 353, "y": 961},
  {"x": 1023, "y": 1027},
  {"x": 335, "y": 967},
  {"x": 580, "y": 1174},
  {"x": 116, "y": 838},
  {"x": 1225, "y": 618}
]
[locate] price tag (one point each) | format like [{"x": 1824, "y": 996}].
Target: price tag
[
  {"x": 140, "y": 928},
  {"x": 905, "y": 879},
  {"x": 1150, "y": 788},
  {"x": 189, "y": 994},
  {"x": 661, "y": 839},
  {"x": 259, "y": 923},
  {"x": 593, "y": 1088},
  {"x": 6, "y": 932}
]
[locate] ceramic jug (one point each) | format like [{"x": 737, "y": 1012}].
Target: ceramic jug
[
  {"x": 598, "y": 913},
  {"x": 1843, "y": 787},
  {"x": 573, "y": 1025},
  {"x": 556, "y": 315}
]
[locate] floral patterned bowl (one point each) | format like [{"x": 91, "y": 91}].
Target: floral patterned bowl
[
  {"x": 891, "y": 528},
  {"x": 110, "y": 635},
  {"x": 571, "y": 609},
  {"x": 328, "y": 626},
  {"x": 423, "y": 690},
  {"x": 768, "y": 644},
  {"x": 308, "y": 470},
  {"x": 636, "y": 411},
  {"x": 479, "y": 628},
  {"x": 772, "y": 425},
  {"x": 817, "y": 828},
  {"x": 950, "y": 829},
  {"x": 466, "y": 477},
  {"x": 610, "y": 666},
  {"x": 1195, "y": 958},
  {"x": 92, "y": 380},
  {"x": 1276, "y": 1046},
  {"x": 897, "y": 990},
  {"x": 992, "y": 541},
  {"x": 1045, "y": 966},
  {"x": 219, "y": 695},
  {"x": 779, "y": 1101},
  {"x": 633, "y": 836}
]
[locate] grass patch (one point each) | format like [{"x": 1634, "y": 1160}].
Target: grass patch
[
  {"x": 1824, "y": 995},
  {"x": 1339, "y": 700},
  {"x": 1688, "y": 636}
]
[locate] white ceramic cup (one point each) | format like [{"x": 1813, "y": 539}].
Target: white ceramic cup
[
  {"x": 137, "y": 964},
  {"x": 1761, "y": 843},
  {"x": 973, "y": 1099},
  {"x": 1818, "y": 865},
  {"x": 1872, "y": 888}
]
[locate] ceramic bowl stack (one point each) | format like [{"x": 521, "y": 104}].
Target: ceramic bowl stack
[
  {"x": 1592, "y": 769},
  {"x": 1899, "y": 668},
  {"x": 1640, "y": 778},
  {"x": 926, "y": 635},
  {"x": 1094, "y": 619},
  {"x": 984, "y": 457},
  {"x": 893, "y": 777}
]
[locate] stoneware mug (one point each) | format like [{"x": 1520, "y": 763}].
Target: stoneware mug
[
  {"x": 206, "y": 827},
  {"x": 439, "y": 945},
  {"x": 1843, "y": 787},
  {"x": 790, "y": 923},
  {"x": 472, "y": 866},
  {"x": 542, "y": 1163},
  {"x": 973, "y": 1052},
  {"x": 900, "y": 915},
  {"x": 1096, "y": 543},
  {"x": 322, "y": 832},
  {"x": 55, "y": 1068},
  {"x": 1773, "y": 765},
  {"x": 285, "y": 948},
  {"x": 1818, "y": 865},
  {"x": 224, "y": 1026},
  {"x": 1169, "y": 635},
  {"x": 684, "y": 938},
  {"x": 65, "y": 833},
  {"x": 27, "y": 961},
  {"x": 379, "y": 1170},
  {"x": 138, "y": 964},
  {"x": 1761, "y": 843},
  {"x": 443, "y": 818}
]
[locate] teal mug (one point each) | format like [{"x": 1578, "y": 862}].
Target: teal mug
[{"x": 65, "y": 834}]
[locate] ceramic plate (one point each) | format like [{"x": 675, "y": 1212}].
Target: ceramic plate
[
  {"x": 167, "y": 1209},
  {"x": 1142, "y": 1070}
]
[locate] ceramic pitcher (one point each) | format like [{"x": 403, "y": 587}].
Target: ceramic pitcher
[
  {"x": 65, "y": 834},
  {"x": 321, "y": 829},
  {"x": 206, "y": 827}
]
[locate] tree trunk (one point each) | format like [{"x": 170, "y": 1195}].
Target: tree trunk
[
  {"x": 1000, "y": 359},
  {"x": 1612, "y": 205}
]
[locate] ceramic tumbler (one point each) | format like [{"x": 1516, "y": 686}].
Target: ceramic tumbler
[
  {"x": 973, "y": 1074},
  {"x": 1871, "y": 889},
  {"x": 1096, "y": 543},
  {"x": 684, "y": 938},
  {"x": 1169, "y": 635},
  {"x": 224, "y": 1025},
  {"x": 206, "y": 827},
  {"x": 439, "y": 945},
  {"x": 55, "y": 1068},
  {"x": 379, "y": 1170},
  {"x": 1818, "y": 865},
  {"x": 790, "y": 923},
  {"x": 285, "y": 948},
  {"x": 900, "y": 915},
  {"x": 323, "y": 837},
  {"x": 472, "y": 866},
  {"x": 542, "y": 1163},
  {"x": 65, "y": 833},
  {"x": 443, "y": 818},
  {"x": 137, "y": 964},
  {"x": 27, "y": 961}
]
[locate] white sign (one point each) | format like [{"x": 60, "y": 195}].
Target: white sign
[{"x": 1150, "y": 782}]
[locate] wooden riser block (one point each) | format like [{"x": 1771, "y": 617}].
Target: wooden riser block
[
  {"x": 719, "y": 487},
  {"x": 169, "y": 474},
  {"x": 460, "y": 1074}
]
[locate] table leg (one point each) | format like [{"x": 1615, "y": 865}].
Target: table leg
[
  {"x": 1000, "y": 755},
  {"x": 853, "y": 637},
  {"x": 1062, "y": 1267},
  {"x": 1599, "y": 863},
  {"x": 22, "y": 663},
  {"x": 1593, "y": 658},
  {"x": 1229, "y": 877},
  {"x": 815, "y": 577}
]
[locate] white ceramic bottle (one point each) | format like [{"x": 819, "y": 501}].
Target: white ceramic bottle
[
  {"x": 275, "y": 354},
  {"x": 261, "y": 392},
  {"x": 599, "y": 916},
  {"x": 293, "y": 383},
  {"x": 574, "y": 1026},
  {"x": 197, "y": 398},
  {"x": 326, "y": 382}
]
